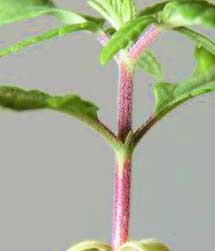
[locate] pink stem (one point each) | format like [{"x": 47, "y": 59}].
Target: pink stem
[
  {"x": 125, "y": 101},
  {"x": 143, "y": 42},
  {"x": 122, "y": 181},
  {"x": 121, "y": 208},
  {"x": 103, "y": 39}
]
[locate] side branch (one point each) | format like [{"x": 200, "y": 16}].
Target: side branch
[
  {"x": 143, "y": 42},
  {"x": 103, "y": 39},
  {"x": 106, "y": 133},
  {"x": 143, "y": 129}
]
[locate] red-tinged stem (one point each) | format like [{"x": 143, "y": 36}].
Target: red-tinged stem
[
  {"x": 125, "y": 100},
  {"x": 143, "y": 42},
  {"x": 121, "y": 208},
  {"x": 122, "y": 181},
  {"x": 102, "y": 38}
]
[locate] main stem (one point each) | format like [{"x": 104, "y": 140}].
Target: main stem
[{"x": 122, "y": 182}]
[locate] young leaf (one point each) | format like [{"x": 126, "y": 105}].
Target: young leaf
[
  {"x": 177, "y": 100},
  {"x": 56, "y": 32},
  {"x": 90, "y": 245},
  {"x": 164, "y": 94},
  {"x": 67, "y": 16},
  {"x": 189, "y": 12},
  {"x": 15, "y": 10},
  {"x": 144, "y": 245},
  {"x": 198, "y": 38},
  {"x": 70, "y": 17},
  {"x": 110, "y": 31},
  {"x": 116, "y": 12},
  {"x": 129, "y": 32},
  {"x": 149, "y": 63},
  {"x": 204, "y": 60},
  {"x": 168, "y": 96},
  {"x": 194, "y": 82},
  {"x": 153, "y": 10}
]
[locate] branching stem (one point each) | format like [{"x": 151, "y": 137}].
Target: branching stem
[
  {"x": 108, "y": 135},
  {"x": 103, "y": 39},
  {"x": 143, "y": 129},
  {"x": 121, "y": 210},
  {"x": 122, "y": 181},
  {"x": 125, "y": 100},
  {"x": 143, "y": 42},
  {"x": 123, "y": 171}
]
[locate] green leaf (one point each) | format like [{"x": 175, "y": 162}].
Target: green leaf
[
  {"x": 74, "y": 105},
  {"x": 198, "y": 38},
  {"x": 57, "y": 32},
  {"x": 149, "y": 63},
  {"x": 144, "y": 245},
  {"x": 164, "y": 94},
  {"x": 110, "y": 31},
  {"x": 70, "y": 17},
  {"x": 90, "y": 246},
  {"x": 17, "y": 99},
  {"x": 20, "y": 100},
  {"x": 129, "y": 32},
  {"x": 15, "y": 10},
  {"x": 204, "y": 50},
  {"x": 189, "y": 12},
  {"x": 67, "y": 16},
  {"x": 168, "y": 96},
  {"x": 154, "y": 10},
  {"x": 204, "y": 60},
  {"x": 116, "y": 12},
  {"x": 194, "y": 82},
  {"x": 74, "y": 21},
  {"x": 173, "y": 103}
]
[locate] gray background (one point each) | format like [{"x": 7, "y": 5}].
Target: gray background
[{"x": 56, "y": 175}]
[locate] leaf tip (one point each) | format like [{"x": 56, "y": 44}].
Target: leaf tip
[{"x": 103, "y": 59}]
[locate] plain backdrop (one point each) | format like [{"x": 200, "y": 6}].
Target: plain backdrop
[{"x": 56, "y": 175}]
